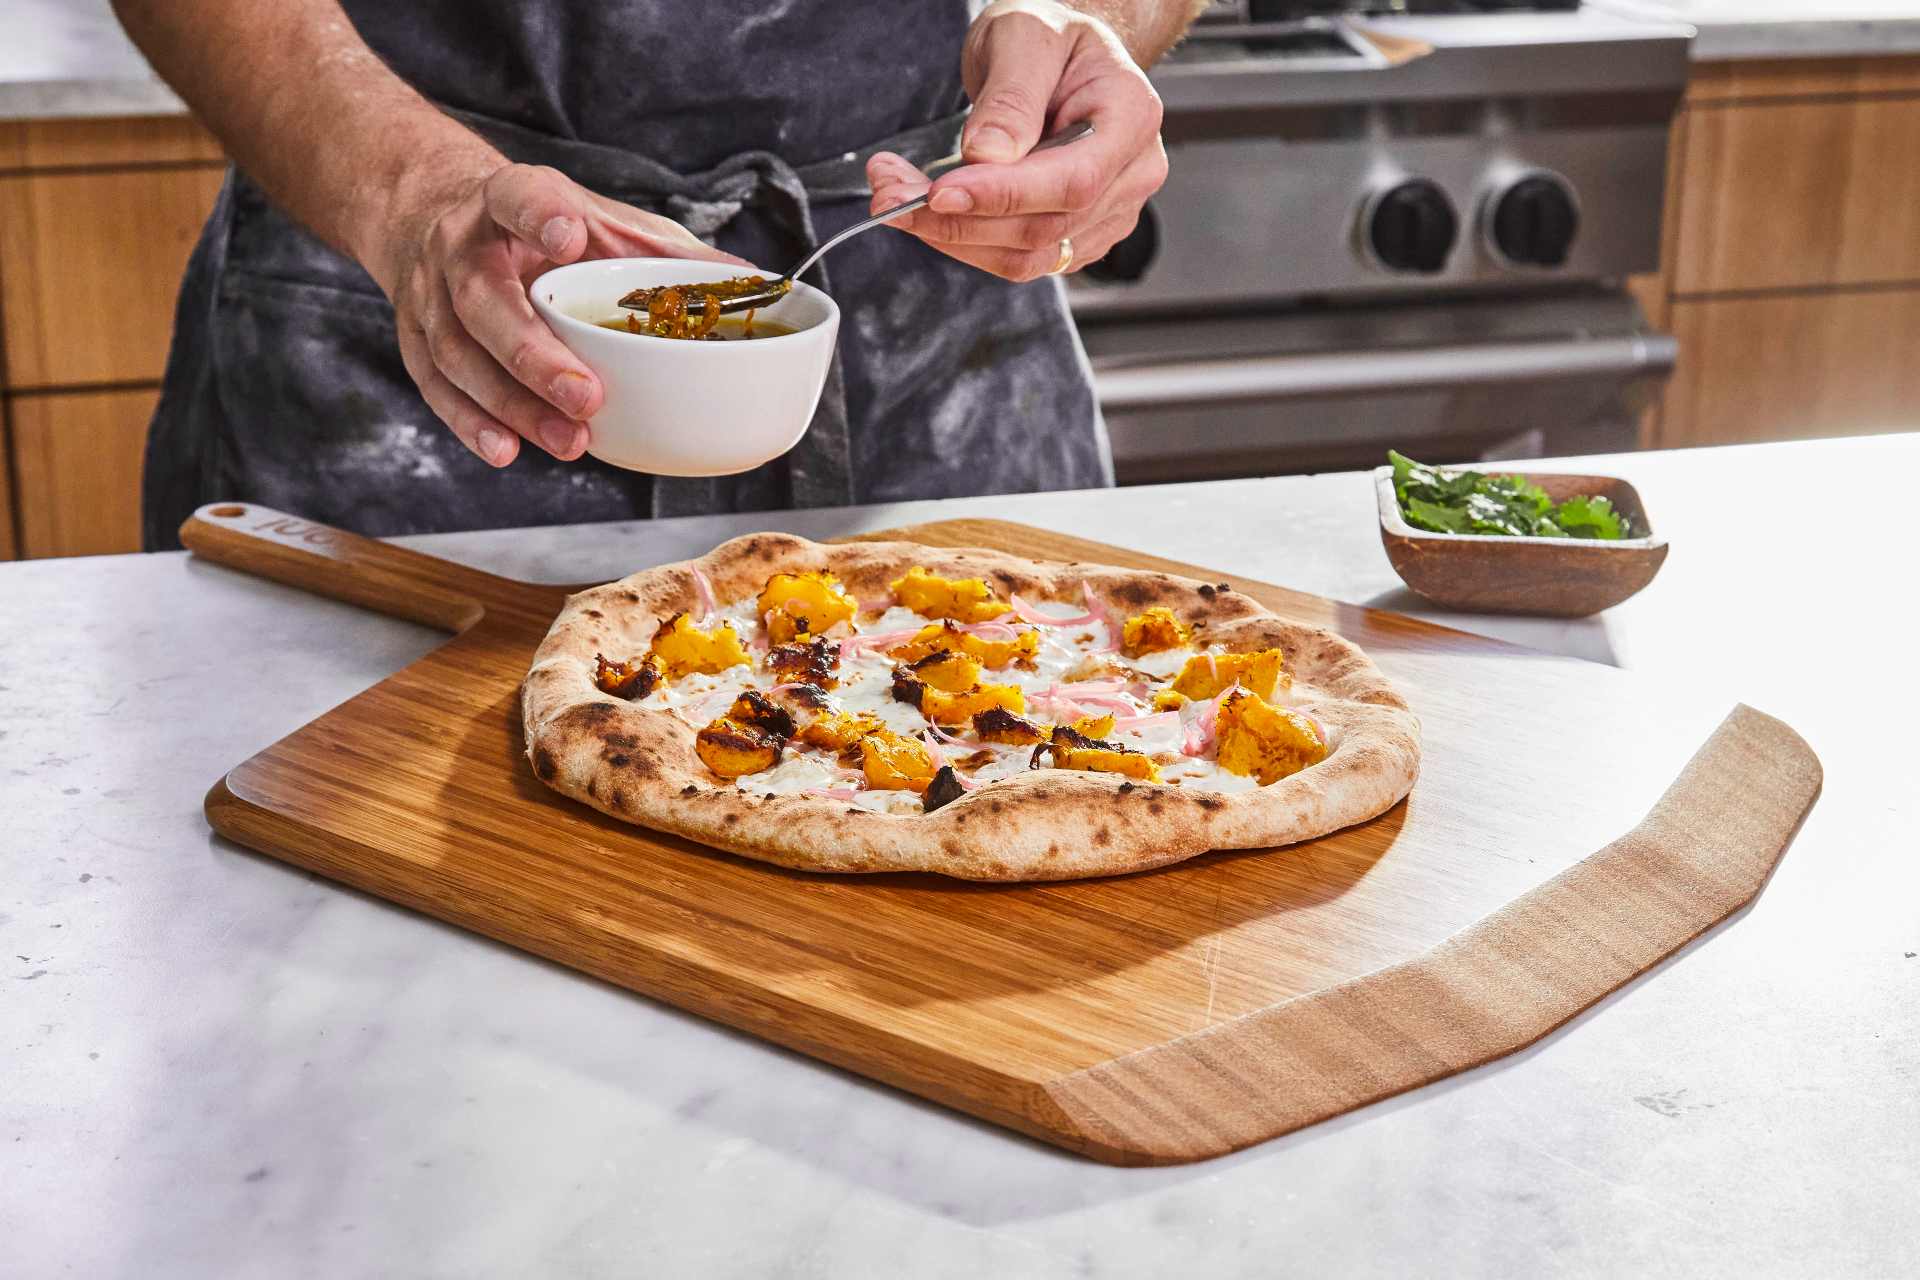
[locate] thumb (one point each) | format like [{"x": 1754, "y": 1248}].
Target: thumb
[
  {"x": 1023, "y": 59},
  {"x": 541, "y": 207}
]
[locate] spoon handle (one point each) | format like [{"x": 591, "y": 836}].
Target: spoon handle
[{"x": 1072, "y": 133}]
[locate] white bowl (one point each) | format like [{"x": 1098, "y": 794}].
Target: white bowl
[{"x": 678, "y": 408}]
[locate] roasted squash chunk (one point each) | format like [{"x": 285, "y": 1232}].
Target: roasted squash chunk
[
  {"x": 733, "y": 750},
  {"x": 958, "y": 708},
  {"x": 944, "y": 637},
  {"x": 800, "y": 604},
  {"x": 961, "y": 599},
  {"x": 997, "y": 724},
  {"x": 683, "y": 649},
  {"x": 893, "y": 763},
  {"x": 1169, "y": 700},
  {"x": 1263, "y": 742},
  {"x": 632, "y": 679},
  {"x": 759, "y": 711},
  {"x": 1153, "y": 631},
  {"x": 839, "y": 731},
  {"x": 1093, "y": 726},
  {"x": 1210, "y": 674},
  {"x": 813, "y": 661},
  {"x": 947, "y": 670},
  {"x": 1070, "y": 750}
]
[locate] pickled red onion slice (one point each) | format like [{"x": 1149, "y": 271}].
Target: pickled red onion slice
[
  {"x": 1027, "y": 613},
  {"x": 1157, "y": 720},
  {"x": 998, "y": 630},
  {"x": 940, "y": 761},
  {"x": 1200, "y": 733},
  {"x": 703, "y": 592},
  {"x": 876, "y": 640}
]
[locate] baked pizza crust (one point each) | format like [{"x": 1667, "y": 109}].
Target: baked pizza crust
[{"x": 638, "y": 764}]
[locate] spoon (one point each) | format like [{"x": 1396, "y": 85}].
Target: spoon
[{"x": 764, "y": 293}]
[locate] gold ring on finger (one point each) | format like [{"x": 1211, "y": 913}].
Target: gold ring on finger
[{"x": 1066, "y": 257}]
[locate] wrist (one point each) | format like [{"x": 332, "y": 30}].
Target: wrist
[
  {"x": 421, "y": 174},
  {"x": 1089, "y": 18}
]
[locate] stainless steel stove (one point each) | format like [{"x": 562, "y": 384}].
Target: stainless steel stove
[{"x": 1390, "y": 223}]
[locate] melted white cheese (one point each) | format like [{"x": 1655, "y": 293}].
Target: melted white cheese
[
  {"x": 866, "y": 685},
  {"x": 1164, "y": 665}
]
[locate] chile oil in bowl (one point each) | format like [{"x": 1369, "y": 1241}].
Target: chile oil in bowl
[{"x": 675, "y": 407}]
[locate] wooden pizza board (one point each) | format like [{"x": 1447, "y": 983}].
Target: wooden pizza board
[{"x": 1152, "y": 1018}]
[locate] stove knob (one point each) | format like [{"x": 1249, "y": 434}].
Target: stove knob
[
  {"x": 1534, "y": 222},
  {"x": 1131, "y": 254},
  {"x": 1412, "y": 227}
]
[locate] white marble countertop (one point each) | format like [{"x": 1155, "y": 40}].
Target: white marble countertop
[
  {"x": 214, "y": 1065},
  {"x": 69, "y": 58},
  {"x": 1730, "y": 30}
]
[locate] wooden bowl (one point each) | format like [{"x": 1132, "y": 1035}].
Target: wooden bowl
[{"x": 1551, "y": 577}]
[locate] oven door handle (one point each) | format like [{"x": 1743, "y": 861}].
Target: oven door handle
[{"x": 1211, "y": 380}]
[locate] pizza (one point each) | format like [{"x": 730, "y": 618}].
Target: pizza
[{"x": 888, "y": 706}]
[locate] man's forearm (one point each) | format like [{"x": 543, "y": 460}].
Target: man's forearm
[
  {"x": 309, "y": 111},
  {"x": 1147, "y": 27}
]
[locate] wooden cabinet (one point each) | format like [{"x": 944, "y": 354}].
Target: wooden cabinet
[
  {"x": 77, "y": 458},
  {"x": 1799, "y": 194},
  {"x": 9, "y": 547},
  {"x": 97, "y": 218},
  {"x": 1791, "y": 271},
  {"x": 92, "y": 262},
  {"x": 1782, "y": 367}
]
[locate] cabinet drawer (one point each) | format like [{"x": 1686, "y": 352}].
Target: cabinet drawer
[
  {"x": 104, "y": 140},
  {"x": 8, "y": 549},
  {"x": 91, "y": 262},
  {"x": 77, "y": 460},
  {"x": 1799, "y": 193},
  {"x": 1778, "y": 368}
]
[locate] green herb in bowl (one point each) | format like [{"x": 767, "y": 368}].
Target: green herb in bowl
[{"x": 1471, "y": 502}]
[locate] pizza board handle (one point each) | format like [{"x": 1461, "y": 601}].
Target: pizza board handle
[{"x": 345, "y": 566}]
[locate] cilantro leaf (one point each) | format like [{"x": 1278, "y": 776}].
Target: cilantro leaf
[
  {"x": 1471, "y": 502},
  {"x": 1584, "y": 517},
  {"x": 1436, "y": 518}
]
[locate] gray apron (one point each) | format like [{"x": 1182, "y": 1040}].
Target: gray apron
[{"x": 285, "y": 387}]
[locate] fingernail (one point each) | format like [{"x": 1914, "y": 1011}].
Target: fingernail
[
  {"x": 992, "y": 144},
  {"x": 490, "y": 442},
  {"x": 570, "y": 391},
  {"x": 556, "y": 235},
  {"x": 950, "y": 200},
  {"x": 561, "y": 438}
]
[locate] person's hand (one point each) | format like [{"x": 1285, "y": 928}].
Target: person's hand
[
  {"x": 1034, "y": 67},
  {"x": 457, "y": 270}
]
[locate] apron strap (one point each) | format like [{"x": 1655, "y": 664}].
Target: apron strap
[{"x": 820, "y": 467}]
